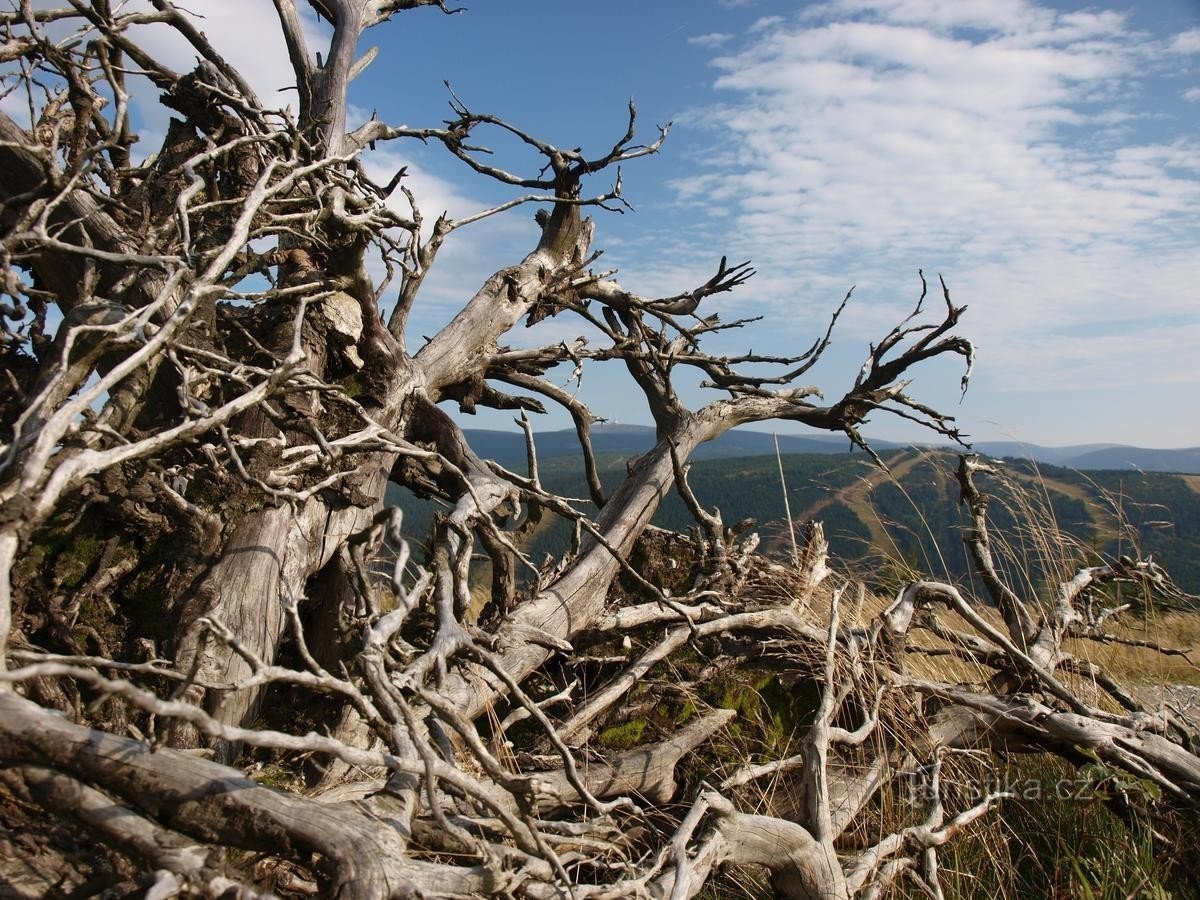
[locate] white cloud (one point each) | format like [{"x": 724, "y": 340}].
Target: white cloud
[
  {"x": 434, "y": 195},
  {"x": 1006, "y": 16},
  {"x": 15, "y": 105},
  {"x": 247, "y": 35},
  {"x": 764, "y": 23},
  {"x": 715, "y": 39},
  {"x": 1186, "y": 42},
  {"x": 1192, "y": 95},
  {"x": 993, "y": 139}
]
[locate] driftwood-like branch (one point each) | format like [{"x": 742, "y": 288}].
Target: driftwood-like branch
[{"x": 200, "y": 375}]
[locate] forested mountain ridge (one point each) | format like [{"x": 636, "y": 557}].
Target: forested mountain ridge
[
  {"x": 508, "y": 448},
  {"x": 909, "y": 517}
]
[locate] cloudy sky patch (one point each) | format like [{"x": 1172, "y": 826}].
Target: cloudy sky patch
[
  {"x": 1042, "y": 156},
  {"x": 1023, "y": 151}
]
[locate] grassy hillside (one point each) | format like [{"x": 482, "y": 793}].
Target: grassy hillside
[{"x": 908, "y": 521}]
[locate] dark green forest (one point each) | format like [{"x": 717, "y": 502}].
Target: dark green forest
[{"x": 907, "y": 521}]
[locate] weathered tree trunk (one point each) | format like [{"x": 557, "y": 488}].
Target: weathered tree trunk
[{"x": 231, "y": 448}]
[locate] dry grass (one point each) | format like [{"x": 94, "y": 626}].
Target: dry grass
[
  {"x": 1140, "y": 666},
  {"x": 1137, "y": 666},
  {"x": 1039, "y": 545},
  {"x": 1039, "y": 845}
]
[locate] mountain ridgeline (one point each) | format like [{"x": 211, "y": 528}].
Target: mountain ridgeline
[
  {"x": 889, "y": 526},
  {"x": 508, "y": 448}
]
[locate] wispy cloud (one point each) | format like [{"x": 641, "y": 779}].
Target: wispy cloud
[
  {"x": 715, "y": 39},
  {"x": 469, "y": 256},
  {"x": 993, "y": 139},
  {"x": 1186, "y": 42},
  {"x": 248, "y": 36}
]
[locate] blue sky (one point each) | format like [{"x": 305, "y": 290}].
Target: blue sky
[{"x": 1043, "y": 157}]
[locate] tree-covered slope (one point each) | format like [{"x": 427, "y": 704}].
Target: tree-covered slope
[{"x": 910, "y": 517}]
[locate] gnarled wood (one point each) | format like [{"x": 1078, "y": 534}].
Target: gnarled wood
[{"x": 254, "y": 603}]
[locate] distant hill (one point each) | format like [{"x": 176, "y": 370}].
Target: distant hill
[
  {"x": 1058, "y": 456},
  {"x": 508, "y": 448},
  {"x": 1185, "y": 461},
  {"x": 904, "y": 520},
  {"x": 1093, "y": 457}
]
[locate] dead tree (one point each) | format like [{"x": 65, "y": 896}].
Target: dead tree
[{"x": 205, "y": 394}]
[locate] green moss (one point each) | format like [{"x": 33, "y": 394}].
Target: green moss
[
  {"x": 148, "y": 599},
  {"x": 76, "y": 558},
  {"x": 667, "y": 561},
  {"x": 623, "y": 736},
  {"x": 353, "y": 386},
  {"x": 687, "y": 712},
  {"x": 771, "y": 715},
  {"x": 277, "y": 777},
  {"x": 206, "y": 492},
  {"x": 34, "y": 557},
  {"x": 742, "y": 697}
]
